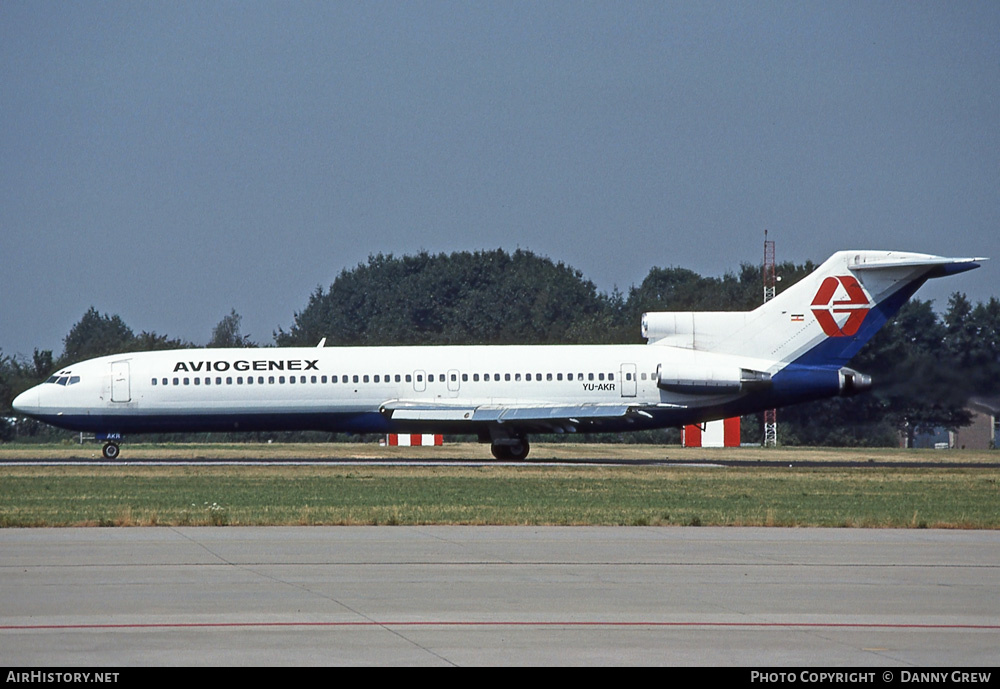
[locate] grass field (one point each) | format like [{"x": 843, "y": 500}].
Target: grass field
[
  {"x": 476, "y": 451},
  {"x": 800, "y": 495}
]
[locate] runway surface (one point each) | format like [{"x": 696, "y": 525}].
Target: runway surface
[
  {"x": 453, "y": 462},
  {"x": 499, "y": 596}
]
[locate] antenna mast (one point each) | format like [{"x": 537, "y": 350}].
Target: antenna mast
[{"x": 770, "y": 282}]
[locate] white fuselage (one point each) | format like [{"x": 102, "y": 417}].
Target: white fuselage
[{"x": 349, "y": 388}]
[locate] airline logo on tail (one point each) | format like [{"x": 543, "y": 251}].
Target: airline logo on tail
[{"x": 857, "y": 305}]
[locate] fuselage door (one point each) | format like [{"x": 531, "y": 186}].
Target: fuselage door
[
  {"x": 419, "y": 381},
  {"x": 121, "y": 389},
  {"x": 454, "y": 383},
  {"x": 628, "y": 380}
]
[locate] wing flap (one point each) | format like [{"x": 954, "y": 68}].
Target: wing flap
[{"x": 503, "y": 413}]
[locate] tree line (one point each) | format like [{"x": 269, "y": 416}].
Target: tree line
[{"x": 925, "y": 365}]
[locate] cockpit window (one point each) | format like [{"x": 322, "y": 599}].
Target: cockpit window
[{"x": 63, "y": 378}]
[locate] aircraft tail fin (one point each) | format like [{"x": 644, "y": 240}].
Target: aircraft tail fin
[{"x": 823, "y": 320}]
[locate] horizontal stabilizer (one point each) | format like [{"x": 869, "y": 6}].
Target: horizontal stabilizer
[{"x": 958, "y": 265}]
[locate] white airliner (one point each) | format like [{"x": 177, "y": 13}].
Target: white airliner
[{"x": 696, "y": 367}]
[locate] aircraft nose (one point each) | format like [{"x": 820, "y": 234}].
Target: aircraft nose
[{"x": 26, "y": 402}]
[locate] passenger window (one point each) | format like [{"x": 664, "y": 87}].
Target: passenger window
[
  {"x": 164, "y": 381},
  {"x": 177, "y": 381},
  {"x": 154, "y": 381},
  {"x": 218, "y": 380},
  {"x": 197, "y": 381},
  {"x": 239, "y": 380},
  {"x": 229, "y": 380},
  {"x": 600, "y": 376},
  {"x": 281, "y": 380},
  {"x": 314, "y": 379},
  {"x": 187, "y": 381}
]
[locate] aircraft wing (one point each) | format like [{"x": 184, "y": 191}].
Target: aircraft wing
[{"x": 544, "y": 416}]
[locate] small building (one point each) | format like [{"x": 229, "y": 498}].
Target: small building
[{"x": 981, "y": 434}]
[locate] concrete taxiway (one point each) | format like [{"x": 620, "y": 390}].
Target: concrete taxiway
[{"x": 448, "y": 595}]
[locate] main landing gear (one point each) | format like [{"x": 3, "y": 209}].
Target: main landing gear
[{"x": 510, "y": 449}]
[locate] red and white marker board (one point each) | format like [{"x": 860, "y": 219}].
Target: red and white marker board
[
  {"x": 721, "y": 433},
  {"x": 414, "y": 439}
]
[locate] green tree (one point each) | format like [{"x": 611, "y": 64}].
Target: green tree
[
  {"x": 150, "y": 341},
  {"x": 972, "y": 342},
  {"x": 96, "y": 335},
  {"x": 227, "y": 333},
  {"x": 489, "y": 297}
]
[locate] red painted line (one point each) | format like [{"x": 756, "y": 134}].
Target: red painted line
[{"x": 749, "y": 625}]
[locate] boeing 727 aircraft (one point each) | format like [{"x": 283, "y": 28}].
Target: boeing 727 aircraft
[{"x": 695, "y": 367}]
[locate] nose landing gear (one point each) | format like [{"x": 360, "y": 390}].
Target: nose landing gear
[{"x": 111, "y": 448}]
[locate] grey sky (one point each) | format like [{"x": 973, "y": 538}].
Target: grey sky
[{"x": 169, "y": 161}]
